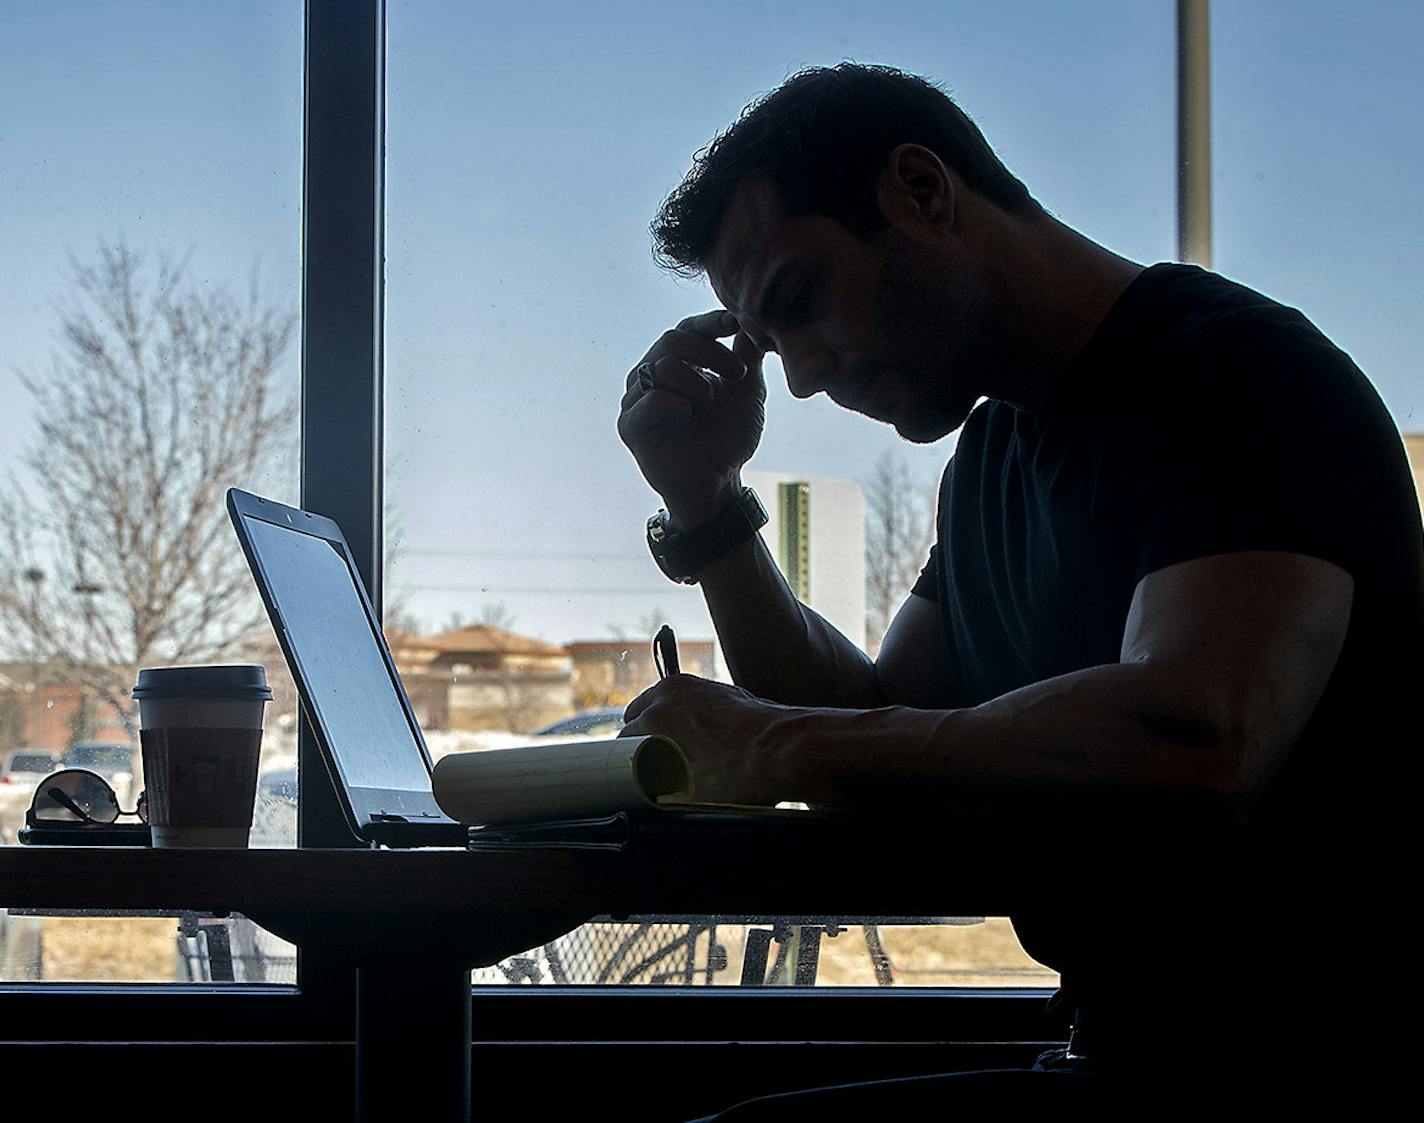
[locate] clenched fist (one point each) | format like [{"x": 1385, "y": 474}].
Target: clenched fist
[{"x": 693, "y": 414}]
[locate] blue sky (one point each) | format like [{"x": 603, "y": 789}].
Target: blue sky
[{"x": 528, "y": 150}]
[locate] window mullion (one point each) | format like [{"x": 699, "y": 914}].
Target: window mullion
[{"x": 342, "y": 349}]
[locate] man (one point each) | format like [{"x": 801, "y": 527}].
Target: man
[{"x": 1176, "y": 600}]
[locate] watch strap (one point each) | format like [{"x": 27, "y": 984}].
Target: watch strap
[{"x": 682, "y": 555}]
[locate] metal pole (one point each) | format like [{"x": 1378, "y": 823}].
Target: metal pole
[{"x": 1193, "y": 132}]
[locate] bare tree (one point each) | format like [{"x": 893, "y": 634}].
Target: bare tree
[
  {"x": 497, "y": 614},
  {"x": 396, "y": 594},
  {"x": 162, "y": 394},
  {"x": 524, "y": 694},
  {"x": 401, "y": 619},
  {"x": 641, "y": 632},
  {"x": 899, "y": 527}
]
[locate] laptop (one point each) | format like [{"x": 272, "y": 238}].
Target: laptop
[
  {"x": 352, "y": 696},
  {"x": 362, "y": 719}
]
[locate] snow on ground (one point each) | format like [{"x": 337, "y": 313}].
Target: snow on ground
[{"x": 444, "y": 742}]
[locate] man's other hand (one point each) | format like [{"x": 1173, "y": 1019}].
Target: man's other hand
[
  {"x": 692, "y": 414},
  {"x": 725, "y": 732}
]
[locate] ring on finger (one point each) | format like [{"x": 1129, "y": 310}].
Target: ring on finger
[{"x": 645, "y": 376}]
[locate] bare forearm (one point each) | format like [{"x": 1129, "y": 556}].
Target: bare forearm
[
  {"x": 776, "y": 647},
  {"x": 1110, "y": 739}
]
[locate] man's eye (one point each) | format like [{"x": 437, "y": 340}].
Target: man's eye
[{"x": 798, "y": 307}]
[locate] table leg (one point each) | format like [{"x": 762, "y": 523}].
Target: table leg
[
  {"x": 756, "y": 952},
  {"x": 412, "y": 1042}
]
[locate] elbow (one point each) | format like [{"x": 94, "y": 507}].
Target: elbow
[
  {"x": 1221, "y": 736},
  {"x": 1239, "y": 768},
  {"x": 1228, "y": 790},
  {"x": 1217, "y": 766}
]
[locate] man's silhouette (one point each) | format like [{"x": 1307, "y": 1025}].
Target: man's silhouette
[{"x": 1176, "y": 600}]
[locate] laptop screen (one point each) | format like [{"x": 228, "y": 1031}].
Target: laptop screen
[{"x": 331, "y": 637}]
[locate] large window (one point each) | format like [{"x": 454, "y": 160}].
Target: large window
[
  {"x": 527, "y": 151},
  {"x": 149, "y": 304}
]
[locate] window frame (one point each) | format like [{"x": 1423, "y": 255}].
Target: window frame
[
  {"x": 342, "y": 473},
  {"x": 343, "y": 164}
]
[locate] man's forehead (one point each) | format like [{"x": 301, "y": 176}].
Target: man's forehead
[{"x": 754, "y": 228}]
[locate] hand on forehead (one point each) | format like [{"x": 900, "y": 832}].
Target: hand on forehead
[{"x": 747, "y": 346}]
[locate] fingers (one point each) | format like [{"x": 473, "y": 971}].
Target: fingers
[
  {"x": 638, "y": 705},
  {"x": 662, "y": 394},
  {"x": 697, "y": 348},
  {"x": 751, "y": 356},
  {"x": 714, "y": 325},
  {"x": 678, "y": 377},
  {"x": 647, "y": 411},
  {"x": 661, "y": 691}
]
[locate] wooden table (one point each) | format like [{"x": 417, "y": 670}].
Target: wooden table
[{"x": 413, "y": 922}]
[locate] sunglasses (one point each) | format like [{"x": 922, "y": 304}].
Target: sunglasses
[{"x": 76, "y": 797}]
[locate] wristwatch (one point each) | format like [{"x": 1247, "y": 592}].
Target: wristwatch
[{"x": 683, "y": 556}]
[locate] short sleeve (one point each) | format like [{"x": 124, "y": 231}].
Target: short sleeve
[
  {"x": 927, "y": 584},
  {"x": 1268, "y": 439}
]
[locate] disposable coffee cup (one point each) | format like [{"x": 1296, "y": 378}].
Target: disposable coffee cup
[{"x": 201, "y": 732}]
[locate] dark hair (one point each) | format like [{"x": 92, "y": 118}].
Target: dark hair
[{"x": 822, "y": 138}]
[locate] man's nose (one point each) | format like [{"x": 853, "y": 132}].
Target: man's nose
[{"x": 806, "y": 369}]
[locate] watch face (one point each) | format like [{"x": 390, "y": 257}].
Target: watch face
[{"x": 660, "y": 544}]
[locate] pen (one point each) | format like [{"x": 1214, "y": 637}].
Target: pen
[{"x": 665, "y": 652}]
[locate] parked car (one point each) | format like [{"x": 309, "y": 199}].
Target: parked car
[
  {"x": 606, "y": 722},
  {"x": 21, "y": 771},
  {"x": 28, "y": 766},
  {"x": 116, "y": 761}
]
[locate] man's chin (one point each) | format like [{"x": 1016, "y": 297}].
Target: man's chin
[{"x": 925, "y": 429}]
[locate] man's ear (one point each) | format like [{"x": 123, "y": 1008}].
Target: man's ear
[{"x": 916, "y": 188}]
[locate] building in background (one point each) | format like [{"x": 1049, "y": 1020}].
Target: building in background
[
  {"x": 482, "y": 677},
  {"x": 817, "y": 536},
  {"x": 614, "y": 672},
  {"x": 41, "y": 706}
]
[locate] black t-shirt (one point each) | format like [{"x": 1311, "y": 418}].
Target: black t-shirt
[{"x": 1202, "y": 418}]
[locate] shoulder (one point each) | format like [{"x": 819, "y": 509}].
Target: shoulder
[
  {"x": 1247, "y": 429},
  {"x": 1183, "y": 299},
  {"x": 1191, "y": 350},
  {"x": 986, "y": 431},
  {"x": 980, "y": 447},
  {"x": 1189, "y": 317}
]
